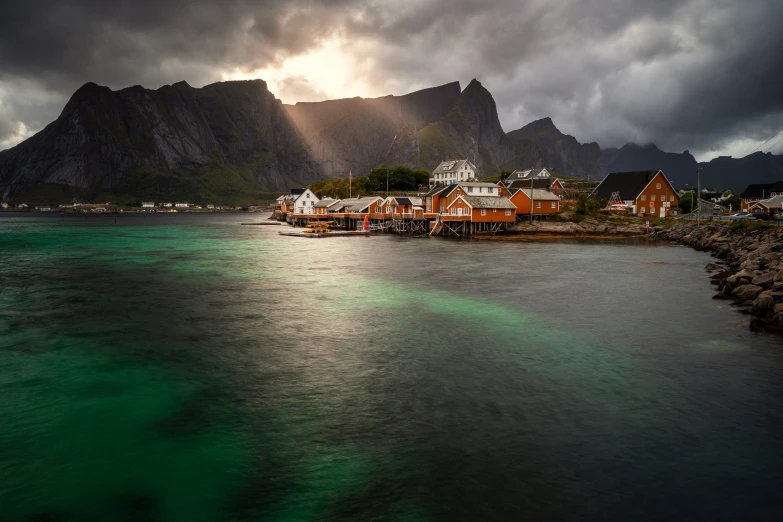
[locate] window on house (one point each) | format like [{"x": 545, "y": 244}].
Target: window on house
[
  {"x": 490, "y": 189},
  {"x": 307, "y": 196},
  {"x": 538, "y": 204},
  {"x": 508, "y": 212},
  {"x": 553, "y": 204},
  {"x": 480, "y": 189},
  {"x": 483, "y": 212},
  {"x": 441, "y": 208},
  {"x": 644, "y": 198},
  {"x": 658, "y": 186},
  {"x": 388, "y": 209},
  {"x": 470, "y": 189},
  {"x": 652, "y": 198},
  {"x": 671, "y": 198}
]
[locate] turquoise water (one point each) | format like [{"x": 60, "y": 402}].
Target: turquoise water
[{"x": 187, "y": 368}]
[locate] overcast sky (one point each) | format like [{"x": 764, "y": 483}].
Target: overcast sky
[{"x": 702, "y": 75}]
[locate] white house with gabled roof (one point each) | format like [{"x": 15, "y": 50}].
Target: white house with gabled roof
[
  {"x": 453, "y": 171},
  {"x": 304, "y": 202}
]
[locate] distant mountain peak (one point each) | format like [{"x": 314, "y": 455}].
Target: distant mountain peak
[{"x": 474, "y": 84}]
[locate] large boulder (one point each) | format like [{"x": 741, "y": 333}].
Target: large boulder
[
  {"x": 778, "y": 309},
  {"x": 763, "y": 304},
  {"x": 747, "y": 292},
  {"x": 745, "y": 273},
  {"x": 764, "y": 280},
  {"x": 778, "y": 276}
]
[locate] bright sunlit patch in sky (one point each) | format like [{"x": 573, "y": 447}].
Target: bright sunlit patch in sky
[
  {"x": 329, "y": 72},
  {"x": 739, "y": 148}
]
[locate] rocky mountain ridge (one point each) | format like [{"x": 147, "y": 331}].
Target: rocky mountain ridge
[
  {"x": 108, "y": 140},
  {"x": 229, "y": 141}
]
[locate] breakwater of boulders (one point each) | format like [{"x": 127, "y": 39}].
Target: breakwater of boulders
[{"x": 748, "y": 269}]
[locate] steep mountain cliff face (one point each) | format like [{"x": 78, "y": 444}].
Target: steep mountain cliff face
[
  {"x": 404, "y": 149},
  {"x": 125, "y": 140},
  {"x": 471, "y": 130},
  {"x": 679, "y": 168},
  {"x": 228, "y": 142},
  {"x": 559, "y": 152},
  {"x": 356, "y": 134}
]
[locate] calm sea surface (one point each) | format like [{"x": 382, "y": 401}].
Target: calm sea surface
[{"x": 186, "y": 368}]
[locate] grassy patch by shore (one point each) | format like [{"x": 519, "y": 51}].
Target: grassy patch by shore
[{"x": 748, "y": 225}]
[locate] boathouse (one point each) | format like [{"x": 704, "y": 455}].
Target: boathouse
[
  {"x": 554, "y": 185},
  {"x": 542, "y": 202},
  {"x": 647, "y": 192},
  {"x": 398, "y": 207},
  {"x": 323, "y": 207}
]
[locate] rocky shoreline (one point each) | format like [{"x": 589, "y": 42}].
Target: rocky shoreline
[
  {"x": 585, "y": 228},
  {"x": 749, "y": 270}
]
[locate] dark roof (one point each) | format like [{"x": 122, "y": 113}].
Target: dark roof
[
  {"x": 761, "y": 190},
  {"x": 403, "y": 201},
  {"x": 628, "y": 184},
  {"x": 435, "y": 190},
  {"x": 449, "y": 189},
  {"x": 538, "y": 183},
  {"x": 297, "y": 192}
]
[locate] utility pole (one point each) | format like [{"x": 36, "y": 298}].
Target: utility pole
[
  {"x": 531, "y": 200},
  {"x": 698, "y": 186}
]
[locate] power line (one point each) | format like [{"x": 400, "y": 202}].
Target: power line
[
  {"x": 775, "y": 145},
  {"x": 770, "y": 139}
]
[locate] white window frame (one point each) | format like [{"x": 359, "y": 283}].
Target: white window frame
[{"x": 483, "y": 212}]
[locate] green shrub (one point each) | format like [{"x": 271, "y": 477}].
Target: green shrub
[{"x": 747, "y": 225}]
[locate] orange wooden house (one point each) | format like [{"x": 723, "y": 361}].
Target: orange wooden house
[
  {"x": 399, "y": 207},
  {"x": 543, "y": 202},
  {"x": 323, "y": 207},
  {"x": 441, "y": 196},
  {"x": 478, "y": 209}
]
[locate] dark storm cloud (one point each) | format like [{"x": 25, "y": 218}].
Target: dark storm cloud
[{"x": 691, "y": 74}]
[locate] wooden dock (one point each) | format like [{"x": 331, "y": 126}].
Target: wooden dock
[
  {"x": 263, "y": 223},
  {"x": 327, "y": 234}
]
